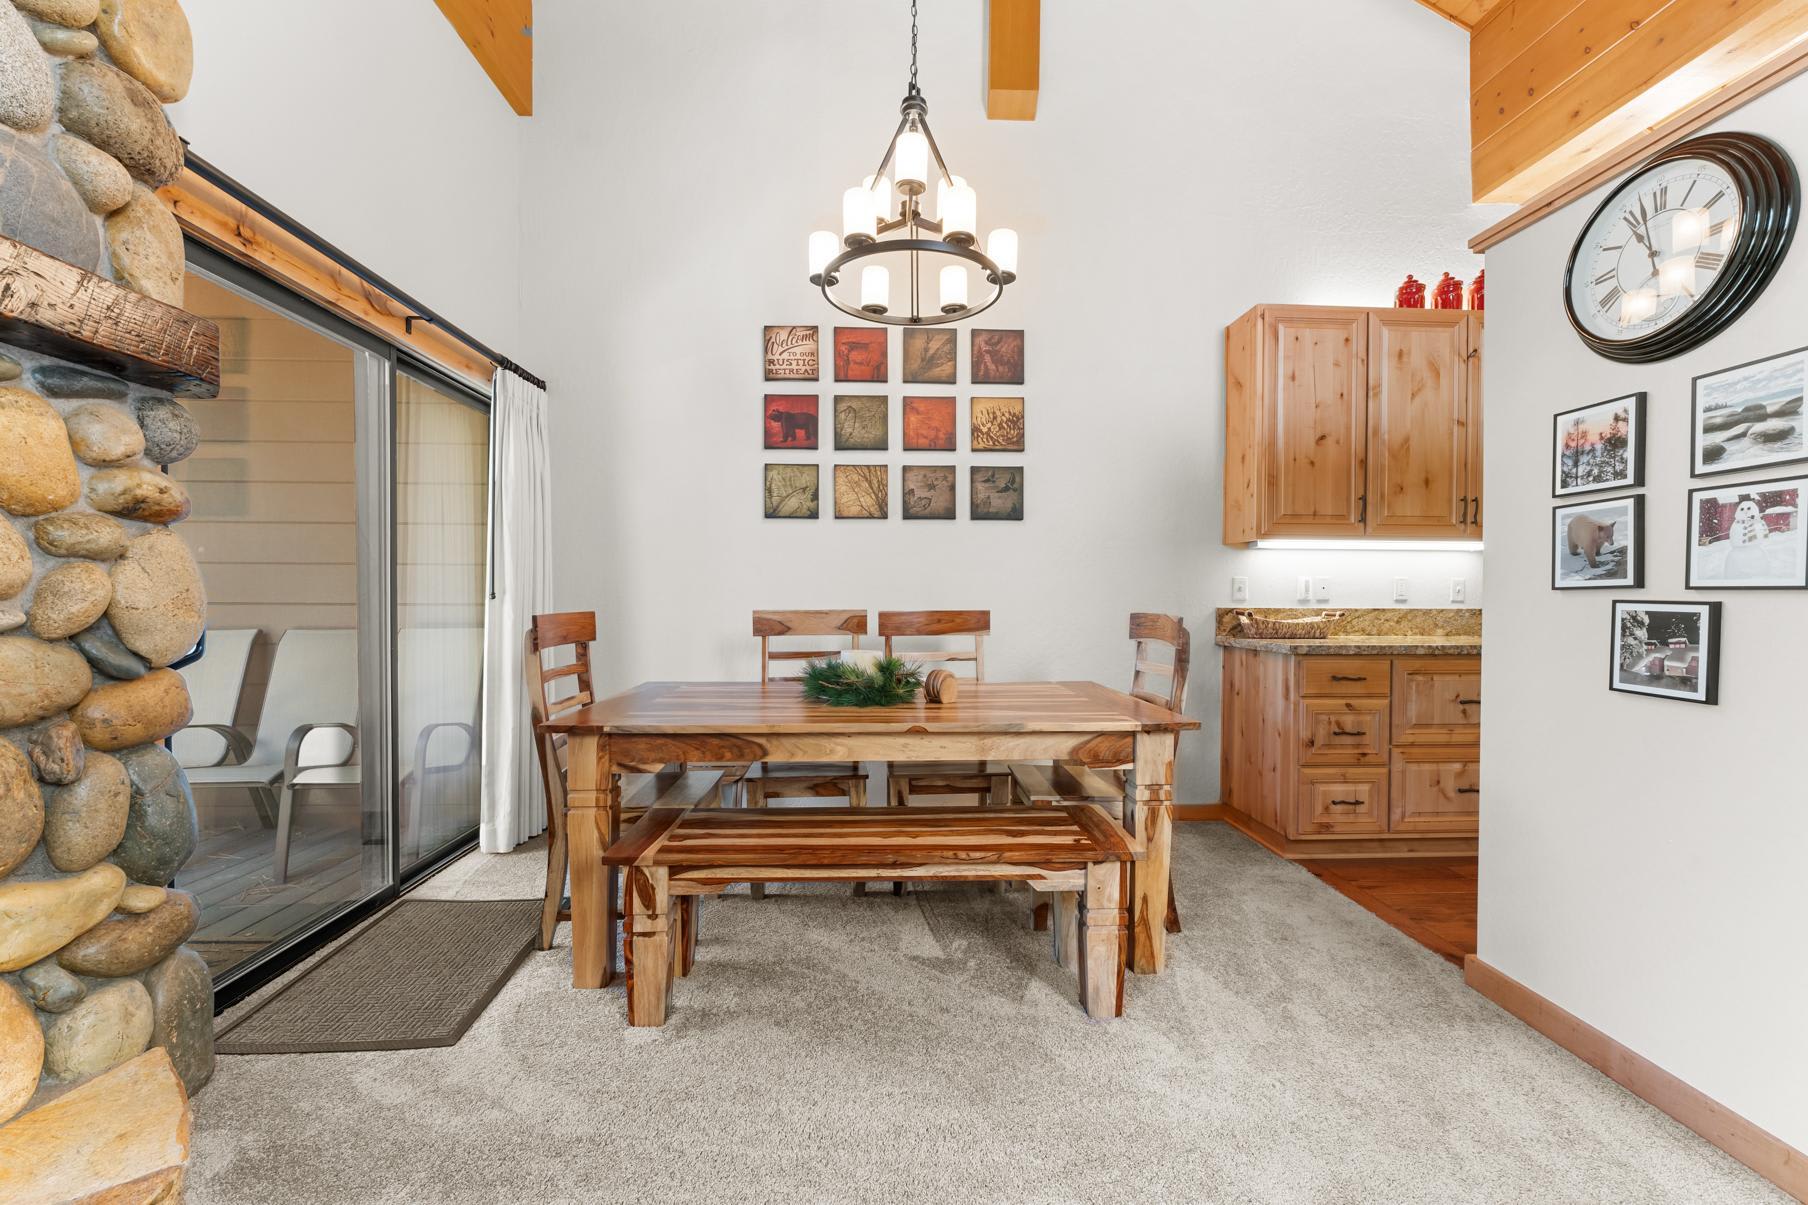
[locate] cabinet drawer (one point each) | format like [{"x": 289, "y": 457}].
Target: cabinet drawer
[
  {"x": 1435, "y": 791},
  {"x": 1437, "y": 700},
  {"x": 1343, "y": 732},
  {"x": 1342, "y": 801},
  {"x": 1343, "y": 675}
]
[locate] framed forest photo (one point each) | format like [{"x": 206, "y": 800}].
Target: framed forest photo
[
  {"x": 1667, "y": 649},
  {"x": 997, "y": 424},
  {"x": 791, "y": 491},
  {"x": 1748, "y": 416},
  {"x": 928, "y": 357},
  {"x": 1598, "y": 543},
  {"x": 791, "y": 353},
  {"x": 1599, "y": 447},
  {"x": 1748, "y": 536},
  {"x": 861, "y": 492}
]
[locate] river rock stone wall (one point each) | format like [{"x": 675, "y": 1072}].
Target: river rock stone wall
[
  {"x": 98, "y": 596},
  {"x": 83, "y": 138}
]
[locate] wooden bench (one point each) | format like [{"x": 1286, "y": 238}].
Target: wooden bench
[{"x": 674, "y": 855}]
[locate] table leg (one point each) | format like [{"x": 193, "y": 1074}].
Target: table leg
[
  {"x": 1102, "y": 929},
  {"x": 684, "y": 937},
  {"x": 649, "y": 946},
  {"x": 1148, "y": 811},
  {"x": 1066, "y": 929},
  {"x": 591, "y": 822}
]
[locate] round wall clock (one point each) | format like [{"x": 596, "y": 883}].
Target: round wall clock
[{"x": 1676, "y": 253}]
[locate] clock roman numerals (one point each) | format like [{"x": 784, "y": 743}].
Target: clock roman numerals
[
  {"x": 1713, "y": 200},
  {"x": 1609, "y": 299},
  {"x": 1606, "y": 276},
  {"x": 1718, "y": 228},
  {"x": 1709, "y": 261},
  {"x": 1660, "y": 200}
]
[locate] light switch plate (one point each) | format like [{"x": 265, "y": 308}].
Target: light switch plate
[
  {"x": 1458, "y": 589},
  {"x": 1239, "y": 589},
  {"x": 1321, "y": 589},
  {"x": 1400, "y": 589},
  {"x": 1305, "y": 589}
]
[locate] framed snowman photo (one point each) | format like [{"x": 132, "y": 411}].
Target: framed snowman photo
[{"x": 1748, "y": 536}]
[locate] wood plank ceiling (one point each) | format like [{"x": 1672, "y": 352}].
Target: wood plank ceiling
[
  {"x": 500, "y": 35},
  {"x": 1558, "y": 85}
]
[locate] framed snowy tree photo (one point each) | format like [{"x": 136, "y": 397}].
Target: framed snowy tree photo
[
  {"x": 1667, "y": 649},
  {"x": 1599, "y": 447}
]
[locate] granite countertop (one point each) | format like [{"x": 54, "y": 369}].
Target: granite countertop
[
  {"x": 1368, "y": 631},
  {"x": 1371, "y": 646}
]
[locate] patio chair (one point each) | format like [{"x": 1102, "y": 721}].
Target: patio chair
[
  {"x": 214, "y": 684},
  {"x": 308, "y": 733},
  {"x": 439, "y": 696}
]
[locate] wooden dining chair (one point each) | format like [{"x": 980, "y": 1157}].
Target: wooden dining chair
[
  {"x": 990, "y": 782},
  {"x": 635, "y": 791},
  {"x": 1161, "y": 682}
]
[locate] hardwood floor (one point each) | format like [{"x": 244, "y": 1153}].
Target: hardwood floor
[{"x": 1431, "y": 900}]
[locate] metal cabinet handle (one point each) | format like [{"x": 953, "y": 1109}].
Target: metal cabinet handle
[
  {"x": 1468, "y": 790},
  {"x": 1349, "y": 732},
  {"x": 1477, "y": 517},
  {"x": 1469, "y": 702},
  {"x": 1347, "y": 803},
  {"x": 1349, "y": 678},
  {"x": 1364, "y": 516},
  {"x": 1462, "y": 509}
]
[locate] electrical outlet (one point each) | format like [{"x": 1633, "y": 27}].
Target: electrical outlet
[
  {"x": 1458, "y": 588},
  {"x": 1399, "y": 589},
  {"x": 1305, "y": 589},
  {"x": 1321, "y": 589},
  {"x": 1239, "y": 589}
]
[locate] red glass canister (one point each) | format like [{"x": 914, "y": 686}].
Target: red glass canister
[
  {"x": 1411, "y": 294},
  {"x": 1475, "y": 290},
  {"x": 1448, "y": 295}
]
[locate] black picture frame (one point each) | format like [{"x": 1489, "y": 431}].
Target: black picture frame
[
  {"x": 1690, "y": 544},
  {"x": 1635, "y": 579},
  {"x": 1695, "y": 432},
  {"x": 1635, "y": 448},
  {"x": 1707, "y": 674}
]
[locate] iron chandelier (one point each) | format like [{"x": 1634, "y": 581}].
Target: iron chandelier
[{"x": 944, "y": 249}]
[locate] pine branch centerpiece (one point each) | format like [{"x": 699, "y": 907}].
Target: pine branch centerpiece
[{"x": 885, "y": 682}]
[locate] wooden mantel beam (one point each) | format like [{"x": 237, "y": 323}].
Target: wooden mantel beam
[
  {"x": 500, "y": 34},
  {"x": 1013, "y": 59}
]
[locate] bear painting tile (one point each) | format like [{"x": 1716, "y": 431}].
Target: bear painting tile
[{"x": 790, "y": 421}]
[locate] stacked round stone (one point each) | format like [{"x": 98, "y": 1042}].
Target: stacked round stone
[
  {"x": 83, "y": 137},
  {"x": 97, "y": 598}
]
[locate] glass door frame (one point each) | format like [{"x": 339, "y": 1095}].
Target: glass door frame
[{"x": 375, "y": 454}]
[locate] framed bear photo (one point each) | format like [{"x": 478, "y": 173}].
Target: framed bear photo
[
  {"x": 1748, "y": 536},
  {"x": 1599, "y": 543}
]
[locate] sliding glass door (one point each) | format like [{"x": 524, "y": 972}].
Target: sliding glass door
[
  {"x": 442, "y": 487},
  {"x": 340, "y": 518}
]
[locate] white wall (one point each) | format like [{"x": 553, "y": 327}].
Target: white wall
[
  {"x": 1642, "y": 859},
  {"x": 1187, "y": 161},
  {"x": 369, "y": 122}
]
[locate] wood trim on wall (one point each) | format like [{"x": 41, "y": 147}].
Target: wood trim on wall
[
  {"x": 1013, "y": 59},
  {"x": 218, "y": 220},
  {"x": 500, "y": 36},
  {"x": 1635, "y": 150},
  {"x": 1758, "y": 1149}
]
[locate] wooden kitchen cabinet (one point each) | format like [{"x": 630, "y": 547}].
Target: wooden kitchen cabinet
[
  {"x": 1351, "y": 423},
  {"x": 1329, "y": 754}
]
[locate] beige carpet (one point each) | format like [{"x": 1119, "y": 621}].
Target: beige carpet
[{"x": 834, "y": 1048}]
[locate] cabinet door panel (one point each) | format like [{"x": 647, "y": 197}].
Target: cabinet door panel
[
  {"x": 1435, "y": 791},
  {"x": 1348, "y": 801},
  {"x": 1342, "y": 732},
  {"x": 1418, "y": 432},
  {"x": 1474, "y": 460},
  {"x": 1437, "y": 700},
  {"x": 1315, "y": 402}
]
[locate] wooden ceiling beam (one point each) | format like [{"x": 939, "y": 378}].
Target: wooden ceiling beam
[
  {"x": 1013, "y": 59},
  {"x": 500, "y": 35},
  {"x": 1467, "y": 13}
]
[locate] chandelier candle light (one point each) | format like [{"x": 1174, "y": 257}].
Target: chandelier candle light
[{"x": 930, "y": 253}]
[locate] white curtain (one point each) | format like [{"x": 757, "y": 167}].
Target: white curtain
[{"x": 514, "y": 802}]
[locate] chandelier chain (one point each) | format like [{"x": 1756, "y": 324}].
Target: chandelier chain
[{"x": 913, "y": 46}]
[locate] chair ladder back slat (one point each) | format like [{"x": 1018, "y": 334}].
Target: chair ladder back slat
[
  {"x": 768, "y": 624},
  {"x": 1151, "y": 630},
  {"x": 977, "y": 624}
]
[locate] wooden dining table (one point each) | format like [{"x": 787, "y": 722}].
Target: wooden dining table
[{"x": 742, "y": 723}]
